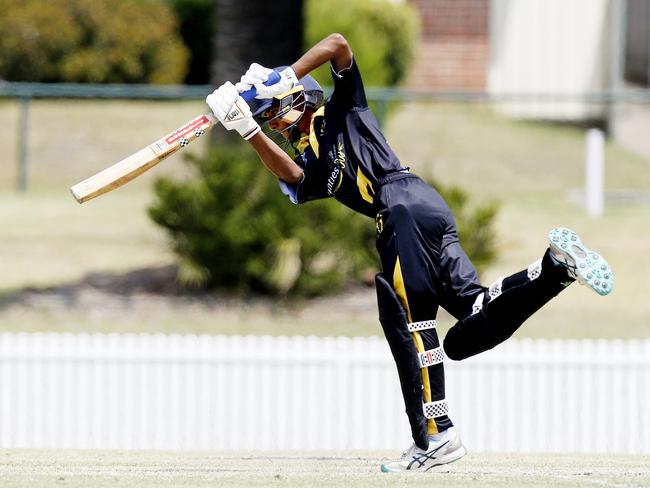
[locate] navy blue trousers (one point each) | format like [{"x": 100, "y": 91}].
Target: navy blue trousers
[{"x": 423, "y": 259}]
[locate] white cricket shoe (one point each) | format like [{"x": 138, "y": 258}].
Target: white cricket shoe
[
  {"x": 444, "y": 448},
  {"x": 587, "y": 267}
]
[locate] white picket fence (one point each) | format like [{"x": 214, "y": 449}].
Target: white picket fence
[{"x": 280, "y": 393}]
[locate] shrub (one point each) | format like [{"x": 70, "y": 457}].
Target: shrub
[
  {"x": 383, "y": 35},
  {"x": 233, "y": 229},
  {"x": 100, "y": 41}
]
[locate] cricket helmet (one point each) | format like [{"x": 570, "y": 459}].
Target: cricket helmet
[{"x": 291, "y": 105}]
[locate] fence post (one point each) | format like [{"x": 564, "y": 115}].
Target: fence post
[
  {"x": 595, "y": 173},
  {"x": 23, "y": 137}
]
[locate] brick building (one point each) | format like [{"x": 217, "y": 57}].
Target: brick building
[{"x": 453, "y": 51}]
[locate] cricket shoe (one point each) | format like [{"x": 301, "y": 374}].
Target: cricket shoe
[
  {"x": 444, "y": 448},
  {"x": 584, "y": 265}
]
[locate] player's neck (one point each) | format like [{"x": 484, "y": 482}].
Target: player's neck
[{"x": 304, "y": 125}]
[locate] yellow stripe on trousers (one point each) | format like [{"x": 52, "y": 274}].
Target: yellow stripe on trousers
[{"x": 400, "y": 289}]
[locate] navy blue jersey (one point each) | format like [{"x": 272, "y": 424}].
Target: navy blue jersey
[{"x": 347, "y": 155}]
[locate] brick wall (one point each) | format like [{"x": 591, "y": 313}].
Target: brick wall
[{"x": 453, "y": 49}]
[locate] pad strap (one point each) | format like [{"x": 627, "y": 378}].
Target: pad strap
[
  {"x": 478, "y": 303},
  {"x": 534, "y": 270},
  {"x": 417, "y": 326},
  {"x": 495, "y": 289},
  {"x": 431, "y": 357},
  {"x": 436, "y": 409}
]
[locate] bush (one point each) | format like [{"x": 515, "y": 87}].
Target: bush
[
  {"x": 99, "y": 41},
  {"x": 383, "y": 35},
  {"x": 233, "y": 229}
]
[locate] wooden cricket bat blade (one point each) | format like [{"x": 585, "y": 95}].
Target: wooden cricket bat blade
[
  {"x": 131, "y": 167},
  {"x": 115, "y": 176}
]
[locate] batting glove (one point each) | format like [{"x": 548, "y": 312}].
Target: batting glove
[
  {"x": 257, "y": 75},
  {"x": 232, "y": 110}
]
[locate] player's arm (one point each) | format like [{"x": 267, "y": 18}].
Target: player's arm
[
  {"x": 276, "y": 160},
  {"x": 234, "y": 114},
  {"x": 334, "y": 48}
]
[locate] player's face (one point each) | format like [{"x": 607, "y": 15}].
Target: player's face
[
  {"x": 278, "y": 124},
  {"x": 283, "y": 124}
]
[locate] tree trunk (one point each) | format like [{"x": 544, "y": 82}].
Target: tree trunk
[{"x": 267, "y": 32}]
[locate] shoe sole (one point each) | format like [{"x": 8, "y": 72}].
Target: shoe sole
[
  {"x": 449, "y": 458},
  {"x": 587, "y": 266},
  {"x": 446, "y": 459}
]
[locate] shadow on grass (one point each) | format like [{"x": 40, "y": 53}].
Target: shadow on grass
[{"x": 159, "y": 280}]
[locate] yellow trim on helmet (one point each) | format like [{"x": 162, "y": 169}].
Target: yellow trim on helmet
[
  {"x": 277, "y": 104},
  {"x": 295, "y": 89}
]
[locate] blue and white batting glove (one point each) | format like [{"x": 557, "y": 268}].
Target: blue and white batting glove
[
  {"x": 258, "y": 74},
  {"x": 232, "y": 110}
]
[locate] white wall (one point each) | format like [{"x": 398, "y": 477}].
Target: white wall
[
  {"x": 266, "y": 393},
  {"x": 550, "y": 47}
]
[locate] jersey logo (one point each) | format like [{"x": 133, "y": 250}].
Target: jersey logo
[
  {"x": 379, "y": 223},
  {"x": 365, "y": 186},
  {"x": 336, "y": 176}
]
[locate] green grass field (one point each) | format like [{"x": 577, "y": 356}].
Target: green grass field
[
  {"x": 47, "y": 239},
  {"x": 72, "y": 469}
]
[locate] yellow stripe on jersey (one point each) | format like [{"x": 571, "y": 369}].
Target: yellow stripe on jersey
[
  {"x": 364, "y": 185},
  {"x": 400, "y": 290},
  {"x": 313, "y": 141},
  {"x": 302, "y": 144}
]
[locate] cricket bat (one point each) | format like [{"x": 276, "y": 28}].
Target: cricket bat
[{"x": 134, "y": 165}]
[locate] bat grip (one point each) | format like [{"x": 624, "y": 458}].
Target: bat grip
[{"x": 248, "y": 95}]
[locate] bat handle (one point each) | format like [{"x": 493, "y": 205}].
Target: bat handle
[{"x": 248, "y": 95}]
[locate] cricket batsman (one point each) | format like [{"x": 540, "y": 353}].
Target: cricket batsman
[{"x": 338, "y": 151}]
